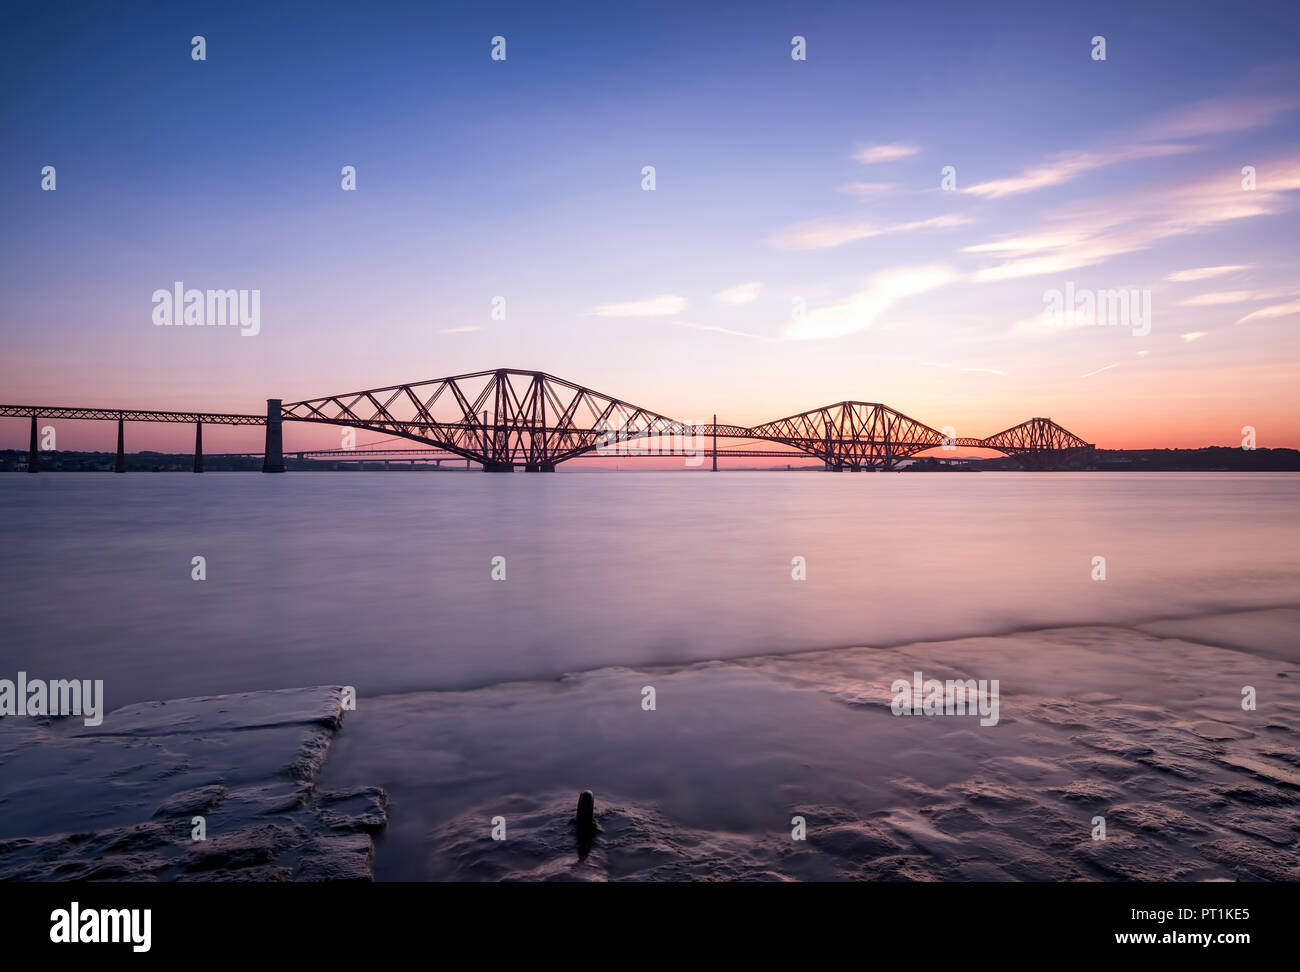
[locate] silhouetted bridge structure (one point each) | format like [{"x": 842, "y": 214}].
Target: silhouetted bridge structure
[{"x": 508, "y": 418}]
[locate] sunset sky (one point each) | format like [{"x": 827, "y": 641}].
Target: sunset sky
[{"x": 776, "y": 179}]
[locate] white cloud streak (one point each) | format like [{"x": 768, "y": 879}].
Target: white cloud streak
[
  {"x": 857, "y": 312},
  {"x": 824, "y": 234},
  {"x": 665, "y": 305},
  {"x": 874, "y": 154},
  {"x": 745, "y": 293},
  {"x": 1203, "y": 273}
]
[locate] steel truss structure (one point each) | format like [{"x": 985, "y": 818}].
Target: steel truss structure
[
  {"x": 502, "y": 418},
  {"x": 128, "y": 415},
  {"x": 509, "y": 418}
]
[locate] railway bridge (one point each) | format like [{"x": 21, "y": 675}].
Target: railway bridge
[{"x": 508, "y": 419}]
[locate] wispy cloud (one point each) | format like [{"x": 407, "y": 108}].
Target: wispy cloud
[
  {"x": 822, "y": 234},
  {"x": 1263, "y": 98},
  {"x": 722, "y": 330},
  {"x": 745, "y": 293},
  {"x": 1256, "y": 105},
  {"x": 873, "y": 154},
  {"x": 865, "y": 189},
  {"x": 1099, "y": 371},
  {"x": 1276, "y": 310},
  {"x": 1094, "y": 230},
  {"x": 858, "y": 311},
  {"x": 1219, "y": 297},
  {"x": 1030, "y": 244},
  {"x": 1065, "y": 166},
  {"x": 1237, "y": 297},
  {"x": 459, "y": 330},
  {"x": 1191, "y": 336},
  {"x": 1203, "y": 273},
  {"x": 666, "y": 305}
]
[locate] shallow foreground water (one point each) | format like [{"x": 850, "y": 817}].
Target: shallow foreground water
[{"x": 482, "y": 700}]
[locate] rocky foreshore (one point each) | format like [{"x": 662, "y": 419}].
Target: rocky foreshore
[
  {"x": 1167, "y": 751},
  {"x": 1119, "y": 754},
  {"x": 219, "y": 788}
]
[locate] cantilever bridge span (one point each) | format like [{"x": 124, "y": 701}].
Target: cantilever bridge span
[{"x": 509, "y": 418}]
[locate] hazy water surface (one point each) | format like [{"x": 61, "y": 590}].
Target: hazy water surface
[{"x": 383, "y": 580}]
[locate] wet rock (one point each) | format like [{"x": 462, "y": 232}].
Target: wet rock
[
  {"x": 268, "y": 798},
  {"x": 1254, "y": 794},
  {"x": 1111, "y": 742},
  {"x": 1126, "y": 856},
  {"x": 198, "y": 800},
  {"x": 244, "y": 763},
  {"x": 1159, "y": 819},
  {"x": 1086, "y": 791},
  {"x": 1263, "y": 769},
  {"x": 338, "y": 858},
  {"x": 247, "y": 847},
  {"x": 1166, "y": 764},
  {"x": 1218, "y": 731},
  {"x": 955, "y": 820},
  {"x": 1104, "y": 766},
  {"x": 365, "y": 809},
  {"x": 1276, "y": 827},
  {"x": 857, "y": 841},
  {"x": 1252, "y": 860}
]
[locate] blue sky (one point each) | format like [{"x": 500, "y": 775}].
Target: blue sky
[{"x": 775, "y": 179}]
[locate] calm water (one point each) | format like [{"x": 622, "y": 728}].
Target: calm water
[{"x": 383, "y": 581}]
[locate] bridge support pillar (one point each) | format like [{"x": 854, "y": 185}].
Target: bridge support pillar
[
  {"x": 539, "y": 467},
  {"x": 491, "y": 466},
  {"x": 121, "y": 447},
  {"x": 198, "y": 447},
  {"x": 715, "y": 442},
  {"x": 34, "y": 451},
  {"x": 273, "y": 457},
  {"x": 34, "y": 454}
]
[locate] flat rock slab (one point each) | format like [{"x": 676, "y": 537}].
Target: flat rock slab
[
  {"x": 322, "y": 706},
  {"x": 246, "y": 764}
]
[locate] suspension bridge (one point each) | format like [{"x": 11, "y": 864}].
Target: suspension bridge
[{"x": 507, "y": 419}]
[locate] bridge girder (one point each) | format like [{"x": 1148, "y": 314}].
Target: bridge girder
[
  {"x": 854, "y": 434},
  {"x": 1040, "y": 444},
  {"x": 500, "y": 418}
]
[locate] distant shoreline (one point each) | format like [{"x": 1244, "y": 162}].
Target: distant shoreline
[{"x": 1207, "y": 459}]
